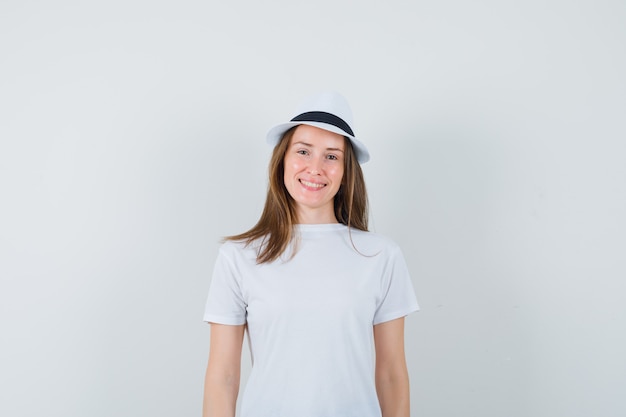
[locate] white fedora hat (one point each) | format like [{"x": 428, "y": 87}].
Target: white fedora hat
[{"x": 329, "y": 111}]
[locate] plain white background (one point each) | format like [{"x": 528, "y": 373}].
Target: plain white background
[{"x": 132, "y": 139}]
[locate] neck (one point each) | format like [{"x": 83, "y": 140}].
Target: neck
[{"x": 316, "y": 217}]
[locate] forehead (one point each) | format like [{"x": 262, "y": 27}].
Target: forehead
[{"x": 317, "y": 137}]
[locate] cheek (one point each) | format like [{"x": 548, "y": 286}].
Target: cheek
[
  {"x": 287, "y": 165},
  {"x": 337, "y": 174},
  {"x": 291, "y": 167},
  {"x": 298, "y": 166}
]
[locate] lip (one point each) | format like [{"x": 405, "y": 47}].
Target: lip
[{"x": 311, "y": 185}]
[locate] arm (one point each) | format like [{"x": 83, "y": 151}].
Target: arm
[
  {"x": 392, "y": 378},
  {"x": 221, "y": 384}
]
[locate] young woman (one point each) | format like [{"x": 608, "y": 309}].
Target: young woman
[{"x": 323, "y": 300}]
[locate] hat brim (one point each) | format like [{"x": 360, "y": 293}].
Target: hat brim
[{"x": 277, "y": 132}]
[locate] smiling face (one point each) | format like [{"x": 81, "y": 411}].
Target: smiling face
[{"x": 313, "y": 170}]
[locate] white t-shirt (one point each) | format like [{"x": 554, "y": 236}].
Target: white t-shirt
[{"x": 310, "y": 319}]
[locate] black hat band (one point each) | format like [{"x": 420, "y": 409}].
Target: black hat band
[{"x": 323, "y": 117}]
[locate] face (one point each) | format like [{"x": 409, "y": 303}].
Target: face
[{"x": 313, "y": 172}]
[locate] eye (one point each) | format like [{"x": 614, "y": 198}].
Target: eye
[
  {"x": 332, "y": 157},
  {"x": 302, "y": 152}
]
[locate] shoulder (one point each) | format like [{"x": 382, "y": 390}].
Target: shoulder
[
  {"x": 373, "y": 241},
  {"x": 237, "y": 250}
]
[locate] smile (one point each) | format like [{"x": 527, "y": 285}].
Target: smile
[{"x": 311, "y": 184}]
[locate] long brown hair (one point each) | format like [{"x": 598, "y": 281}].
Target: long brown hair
[{"x": 275, "y": 227}]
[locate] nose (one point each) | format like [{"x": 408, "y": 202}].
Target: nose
[{"x": 315, "y": 166}]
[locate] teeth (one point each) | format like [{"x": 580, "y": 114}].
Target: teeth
[{"x": 311, "y": 184}]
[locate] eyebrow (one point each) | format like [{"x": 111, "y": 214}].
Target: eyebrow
[{"x": 311, "y": 146}]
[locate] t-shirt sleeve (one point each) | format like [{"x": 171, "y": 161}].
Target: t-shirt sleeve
[
  {"x": 398, "y": 297},
  {"x": 225, "y": 303}
]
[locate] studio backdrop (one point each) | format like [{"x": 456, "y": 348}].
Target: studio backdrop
[{"x": 132, "y": 138}]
